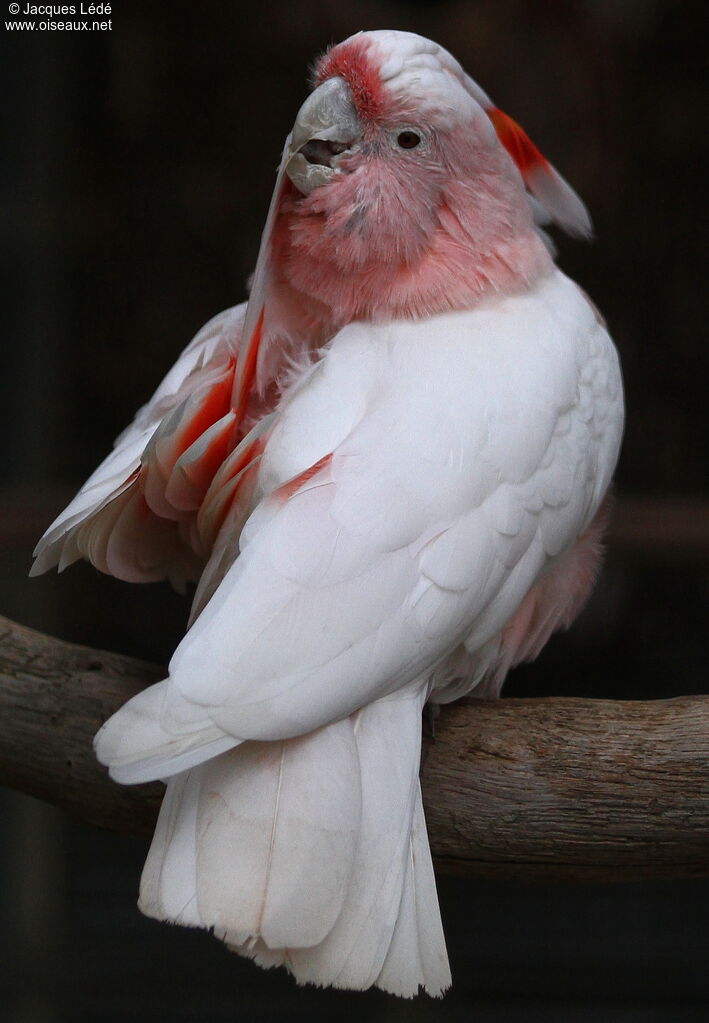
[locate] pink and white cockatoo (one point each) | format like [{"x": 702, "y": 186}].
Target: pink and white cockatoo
[{"x": 386, "y": 474}]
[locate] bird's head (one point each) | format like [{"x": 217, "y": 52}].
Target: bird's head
[{"x": 406, "y": 191}]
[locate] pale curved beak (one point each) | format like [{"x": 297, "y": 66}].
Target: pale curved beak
[{"x": 326, "y": 126}]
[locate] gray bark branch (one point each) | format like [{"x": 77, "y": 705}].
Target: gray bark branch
[{"x": 545, "y": 788}]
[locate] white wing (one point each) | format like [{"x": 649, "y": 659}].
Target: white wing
[
  {"x": 453, "y": 459},
  {"x": 154, "y": 507},
  {"x": 81, "y": 531}
]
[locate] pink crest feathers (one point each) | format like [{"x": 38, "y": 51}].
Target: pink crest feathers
[{"x": 353, "y": 61}]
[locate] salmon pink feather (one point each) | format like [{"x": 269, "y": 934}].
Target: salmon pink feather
[{"x": 387, "y": 475}]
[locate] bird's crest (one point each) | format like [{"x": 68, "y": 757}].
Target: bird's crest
[{"x": 555, "y": 195}]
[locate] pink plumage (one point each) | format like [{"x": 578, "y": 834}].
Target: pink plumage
[{"x": 386, "y": 474}]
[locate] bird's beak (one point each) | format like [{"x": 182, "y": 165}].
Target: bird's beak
[{"x": 326, "y": 126}]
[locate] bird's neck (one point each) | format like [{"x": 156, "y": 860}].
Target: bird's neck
[
  {"x": 470, "y": 257},
  {"x": 316, "y": 288}
]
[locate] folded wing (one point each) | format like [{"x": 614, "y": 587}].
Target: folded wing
[{"x": 398, "y": 520}]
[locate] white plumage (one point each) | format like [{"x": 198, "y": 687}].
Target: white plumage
[
  {"x": 406, "y": 521},
  {"x": 393, "y": 554}
]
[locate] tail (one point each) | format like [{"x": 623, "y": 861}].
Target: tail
[{"x": 310, "y": 853}]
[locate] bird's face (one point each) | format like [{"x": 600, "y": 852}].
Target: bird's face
[
  {"x": 371, "y": 162},
  {"x": 401, "y": 199},
  {"x": 330, "y": 138},
  {"x": 372, "y": 188}
]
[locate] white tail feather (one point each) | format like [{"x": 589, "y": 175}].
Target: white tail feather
[
  {"x": 418, "y": 947},
  {"x": 168, "y": 888},
  {"x": 310, "y": 853},
  {"x": 388, "y": 737},
  {"x": 276, "y": 838}
]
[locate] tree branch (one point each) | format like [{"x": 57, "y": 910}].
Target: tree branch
[{"x": 550, "y": 788}]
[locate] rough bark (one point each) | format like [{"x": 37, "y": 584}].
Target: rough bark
[{"x": 548, "y": 788}]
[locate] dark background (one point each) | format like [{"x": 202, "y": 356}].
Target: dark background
[{"x": 136, "y": 171}]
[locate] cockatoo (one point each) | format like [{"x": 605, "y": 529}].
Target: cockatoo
[{"x": 386, "y": 474}]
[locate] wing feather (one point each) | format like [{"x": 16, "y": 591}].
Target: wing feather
[
  {"x": 87, "y": 526},
  {"x": 415, "y": 534},
  {"x": 220, "y": 387}
]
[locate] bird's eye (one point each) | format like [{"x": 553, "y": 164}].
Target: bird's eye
[{"x": 408, "y": 139}]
